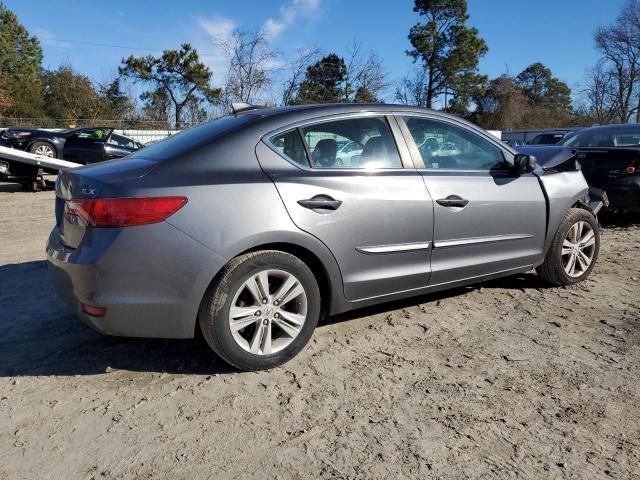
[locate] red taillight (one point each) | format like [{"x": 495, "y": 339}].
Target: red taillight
[
  {"x": 125, "y": 212},
  {"x": 630, "y": 170},
  {"x": 93, "y": 310}
]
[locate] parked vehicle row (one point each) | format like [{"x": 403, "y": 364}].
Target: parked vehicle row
[
  {"x": 253, "y": 226},
  {"x": 610, "y": 160}
]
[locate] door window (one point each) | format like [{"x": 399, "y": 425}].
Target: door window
[
  {"x": 121, "y": 141},
  {"x": 290, "y": 145},
  {"x": 447, "y": 146},
  {"x": 365, "y": 142}
]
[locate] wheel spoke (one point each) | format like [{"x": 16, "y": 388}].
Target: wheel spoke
[
  {"x": 567, "y": 247},
  {"x": 293, "y": 293},
  {"x": 266, "y": 342},
  {"x": 294, "y": 318},
  {"x": 571, "y": 265},
  {"x": 263, "y": 284},
  {"x": 252, "y": 286},
  {"x": 290, "y": 330},
  {"x": 238, "y": 325},
  {"x": 256, "y": 341},
  {"x": 285, "y": 287},
  {"x": 584, "y": 260},
  {"x": 241, "y": 312},
  {"x": 588, "y": 239}
]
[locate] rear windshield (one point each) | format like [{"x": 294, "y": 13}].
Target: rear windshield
[
  {"x": 190, "y": 138},
  {"x": 605, "y": 137}
]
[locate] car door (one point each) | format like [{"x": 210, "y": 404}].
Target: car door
[
  {"x": 486, "y": 219},
  {"x": 375, "y": 215},
  {"x": 86, "y": 145}
]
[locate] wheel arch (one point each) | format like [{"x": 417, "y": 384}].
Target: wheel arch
[{"x": 322, "y": 264}]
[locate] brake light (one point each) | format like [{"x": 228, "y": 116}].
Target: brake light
[
  {"x": 124, "y": 212},
  {"x": 93, "y": 310},
  {"x": 630, "y": 170}
]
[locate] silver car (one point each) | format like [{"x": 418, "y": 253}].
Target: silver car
[{"x": 251, "y": 229}]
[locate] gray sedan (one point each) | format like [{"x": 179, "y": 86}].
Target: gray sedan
[{"x": 251, "y": 228}]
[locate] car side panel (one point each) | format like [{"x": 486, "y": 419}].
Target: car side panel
[{"x": 563, "y": 190}]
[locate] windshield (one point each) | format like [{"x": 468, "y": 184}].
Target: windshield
[{"x": 605, "y": 137}]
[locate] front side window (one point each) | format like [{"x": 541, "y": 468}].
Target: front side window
[{"x": 446, "y": 146}]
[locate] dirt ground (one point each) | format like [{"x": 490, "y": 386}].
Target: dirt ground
[{"x": 505, "y": 380}]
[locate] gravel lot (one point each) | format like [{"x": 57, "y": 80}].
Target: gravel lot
[{"x": 505, "y": 380}]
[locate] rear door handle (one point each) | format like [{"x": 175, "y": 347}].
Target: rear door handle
[
  {"x": 453, "y": 201},
  {"x": 320, "y": 202}
]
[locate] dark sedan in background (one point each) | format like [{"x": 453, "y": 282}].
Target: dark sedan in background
[
  {"x": 610, "y": 159},
  {"x": 81, "y": 145}
]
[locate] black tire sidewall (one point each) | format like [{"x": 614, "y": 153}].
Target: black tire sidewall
[{"x": 216, "y": 329}]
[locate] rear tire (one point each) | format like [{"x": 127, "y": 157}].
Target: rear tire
[
  {"x": 44, "y": 148},
  {"x": 573, "y": 251},
  {"x": 256, "y": 330}
]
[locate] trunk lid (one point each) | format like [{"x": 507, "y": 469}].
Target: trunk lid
[
  {"x": 600, "y": 165},
  {"x": 90, "y": 182}
]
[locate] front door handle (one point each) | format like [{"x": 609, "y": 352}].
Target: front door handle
[
  {"x": 320, "y": 202},
  {"x": 453, "y": 201}
]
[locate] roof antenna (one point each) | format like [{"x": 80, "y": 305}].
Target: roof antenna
[{"x": 240, "y": 107}]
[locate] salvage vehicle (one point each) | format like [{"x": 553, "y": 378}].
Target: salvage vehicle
[
  {"x": 610, "y": 160},
  {"x": 249, "y": 229},
  {"x": 82, "y": 145}
]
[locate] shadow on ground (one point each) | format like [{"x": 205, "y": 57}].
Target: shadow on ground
[{"x": 38, "y": 337}]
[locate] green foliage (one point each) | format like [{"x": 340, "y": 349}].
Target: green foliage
[
  {"x": 178, "y": 74},
  {"x": 448, "y": 50},
  {"x": 543, "y": 89},
  {"x": 532, "y": 99},
  {"x": 323, "y": 81},
  {"x": 69, "y": 95},
  {"x": 20, "y": 66}
]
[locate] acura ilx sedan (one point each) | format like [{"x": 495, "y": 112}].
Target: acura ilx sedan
[{"x": 250, "y": 228}]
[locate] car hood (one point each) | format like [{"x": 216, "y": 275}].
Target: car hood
[{"x": 549, "y": 156}]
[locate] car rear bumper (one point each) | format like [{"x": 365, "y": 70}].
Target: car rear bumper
[
  {"x": 151, "y": 279},
  {"x": 624, "y": 194}
]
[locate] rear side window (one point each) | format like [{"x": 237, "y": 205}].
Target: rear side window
[
  {"x": 365, "y": 142},
  {"x": 290, "y": 145}
]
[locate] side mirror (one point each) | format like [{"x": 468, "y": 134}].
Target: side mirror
[{"x": 523, "y": 163}]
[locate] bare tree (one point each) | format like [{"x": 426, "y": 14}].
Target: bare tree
[
  {"x": 412, "y": 89},
  {"x": 599, "y": 92},
  {"x": 296, "y": 70},
  {"x": 619, "y": 45},
  {"x": 365, "y": 73},
  {"x": 252, "y": 63}
]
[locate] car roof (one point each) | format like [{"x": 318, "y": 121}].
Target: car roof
[
  {"x": 275, "y": 117},
  {"x": 618, "y": 126}
]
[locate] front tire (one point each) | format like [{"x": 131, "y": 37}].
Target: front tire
[
  {"x": 573, "y": 251},
  {"x": 261, "y": 311},
  {"x": 43, "y": 148}
]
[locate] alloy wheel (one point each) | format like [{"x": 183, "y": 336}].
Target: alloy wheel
[
  {"x": 44, "y": 150},
  {"x": 578, "y": 249},
  {"x": 268, "y": 312}
]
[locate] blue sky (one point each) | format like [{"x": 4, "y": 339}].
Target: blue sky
[{"x": 94, "y": 36}]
